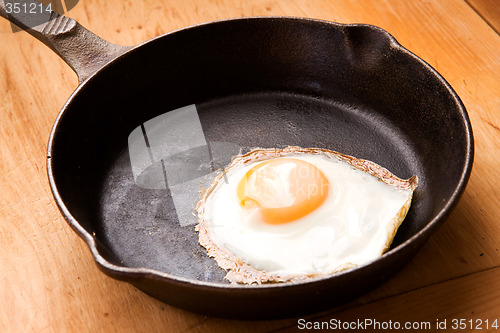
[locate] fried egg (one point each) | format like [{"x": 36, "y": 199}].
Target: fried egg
[{"x": 277, "y": 215}]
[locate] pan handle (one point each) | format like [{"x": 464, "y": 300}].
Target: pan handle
[{"x": 81, "y": 49}]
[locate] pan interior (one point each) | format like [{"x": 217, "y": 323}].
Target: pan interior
[{"x": 257, "y": 83}]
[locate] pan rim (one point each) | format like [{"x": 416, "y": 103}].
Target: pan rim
[{"x": 141, "y": 272}]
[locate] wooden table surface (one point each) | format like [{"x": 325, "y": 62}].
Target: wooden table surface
[{"x": 48, "y": 280}]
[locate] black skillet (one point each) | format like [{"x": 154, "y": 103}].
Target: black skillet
[{"x": 255, "y": 82}]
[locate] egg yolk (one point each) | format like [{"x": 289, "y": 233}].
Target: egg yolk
[{"x": 283, "y": 189}]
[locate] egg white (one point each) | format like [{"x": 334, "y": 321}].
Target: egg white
[{"x": 353, "y": 226}]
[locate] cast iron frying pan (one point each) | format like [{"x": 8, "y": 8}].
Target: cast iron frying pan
[{"x": 254, "y": 82}]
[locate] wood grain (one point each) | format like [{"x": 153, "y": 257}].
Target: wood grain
[
  {"x": 489, "y": 10},
  {"x": 48, "y": 281}
]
